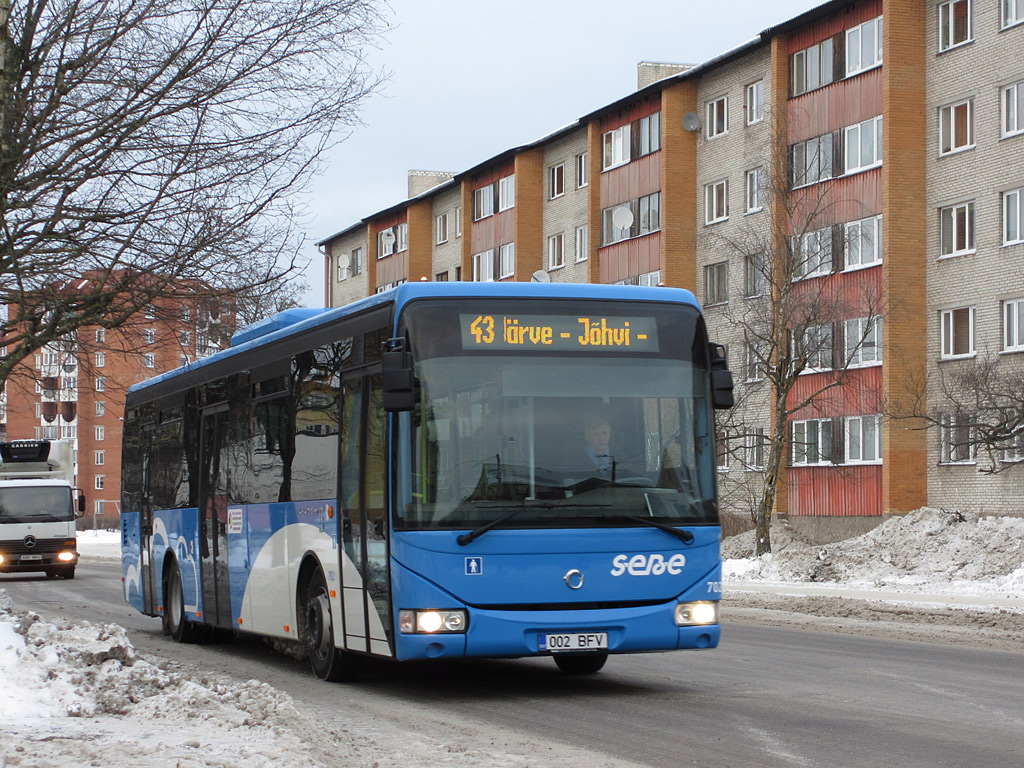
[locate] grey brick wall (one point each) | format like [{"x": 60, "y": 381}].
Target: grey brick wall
[
  {"x": 563, "y": 214},
  {"x": 447, "y": 256},
  {"x": 352, "y": 287}
]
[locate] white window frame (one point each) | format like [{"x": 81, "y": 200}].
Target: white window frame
[
  {"x": 864, "y": 47},
  {"x": 755, "y": 362},
  {"x": 1013, "y": 216},
  {"x": 101, "y": 335},
  {"x": 811, "y": 68},
  {"x": 1012, "y": 13},
  {"x": 817, "y": 345},
  {"x": 754, "y": 102},
  {"x": 402, "y": 237},
  {"x": 947, "y": 28},
  {"x": 506, "y": 192},
  {"x": 650, "y": 213},
  {"x": 341, "y": 273},
  {"x": 812, "y": 443},
  {"x": 862, "y": 241},
  {"x": 99, "y": 407},
  {"x": 812, "y": 252},
  {"x": 384, "y": 248},
  {"x": 100, "y": 432},
  {"x": 754, "y": 190},
  {"x": 582, "y": 243},
  {"x": 149, "y": 359},
  {"x": 717, "y": 114},
  {"x": 483, "y": 266},
  {"x": 950, "y": 140},
  {"x": 441, "y": 228},
  {"x": 100, "y": 385},
  {"x": 99, "y": 458},
  {"x": 356, "y": 262},
  {"x": 98, "y": 481},
  {"x": 1013, "y": 325},
  {"x": 1011, "y": 107},
  {"x": 959, "y": 451},
  {"x": 754, "y": 276},
  {"x": 100, "y": 359},
  {"x": 649, "y": 128},
  {"x": 862, "y": 341},
  {"x": 811, "y": 160},
  {"x": 150, "y": 335},
  {"x": 716, "y": 283},
  {"x": 556, "y": 181},
  {"x": 863, "y": 439},
  {"x": 581, "y": 170},
  {"x": 483, "y": 202},
  {"x": 556, "y": 251},
  {"x": 716, "y": 201},
  {"x": 857, "y": 156},
  {"x": 458, "y": 221},
  {"x": 616, "y": 148},
  {"x": 150, "y": 312},
  {"x": 755, "y": 443},
  {"x": 948, "y": 337},
  {"x": 956, "y": 225},
  {"x": 507, "y": 260}
]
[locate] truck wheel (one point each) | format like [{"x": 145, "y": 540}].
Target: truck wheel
[
  {"x": 177, "y": 626},
  {"x": 66, "y": 572},
  {"x": 327, "y": 662}
]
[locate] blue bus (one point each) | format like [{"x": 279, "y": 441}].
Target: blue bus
[{"x": 440, "y": 471}]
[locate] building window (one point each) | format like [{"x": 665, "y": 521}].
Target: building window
[
  {"x": 342, "y": 273},
  {"x": 1014, "y": 450},
  {"x": 956, "y": 229},
  {"x": 441, "y": 228},
  {"x": 401, "y": 237},
  {"x": 507, "y": 260},
  {"x": 957, "y": 332},
  {"x": 955, "y": 24},
  {"x": 1013, "y": 12},
  {"x": 100, "y": 432},
  {"x": 864, "y": 47},
  {"x": 616, "y": 223},
  {"x": 483, "y": 202},
  {"x": 506, "y": 192},
  {"x": 815, "y": 346},
  {"x": 100, "y": 384},
  {"x": 863, "y": 242},
  {"x": 357, "y": 261},
  {"x": 753, "y": 282},
  {"x": 754, "y": 448},
  {"x": 956, "y": 439},
  {"x": 862, "y": 341},
  {"x": 811, "y": 68},
  {"x": 864, "y": 439},
  {"x": 1013, "y": 325},
  {"x": 556, "y": 257},
  {"x": 100, "y": 359},
  {"x": 716, "y": 201},
  {"x": 1013, "y": 217},
  {"x": 864, "y": 145},
  {"x": 718, "y": 117},
  {"x": 186, "y": 314},
  {"x": 386, "y": 240},
  {"x": 811, "y": 161},
  {"x": 149, "y": 360},
  {"x": 458, "y": 221},
  {"x": 649, "y": 129},
  {"x": 556, "y": 181},
  {"x": 100, "y": 407},
  {"x": 99, "y": 458},
  {"x": 755, "y": 102},
  {"x": 722, "y": 450},
  {"x": 98, "y": 482},
  {"x": 150, "y": 312},
  {"x": 1013, "y": 108},
  {"x": 581, "y": 169},
  {"x": 755, "y": 362},
  {"x": 754, "y": 190},
  {"x": 101, "y": 335},
  {"x": 483, "y": 266},
  {"x": 185, "y": 337},
  {"x": 812, "y": 442},
  {"x": 441, "y": 277},
  {"x": 650, "y": 213},
  {"x": 616, "y": 147},
  {"x": 812, "y": 254},
  {"x": 956, "y": 127},
  {"x": 150, "y": 336},
  {"x": 581, "y": 243},
  {"x": 716, "y": 283}
]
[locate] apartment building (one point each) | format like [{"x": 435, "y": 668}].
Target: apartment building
[
  {"x": 873, "y": 151},
  {"x": 76, "y": 388}
]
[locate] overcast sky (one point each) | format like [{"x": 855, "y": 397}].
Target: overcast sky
[{"x": 471, "y": 78}]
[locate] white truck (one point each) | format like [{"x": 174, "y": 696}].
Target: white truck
[{"x": 39, "y": 505}]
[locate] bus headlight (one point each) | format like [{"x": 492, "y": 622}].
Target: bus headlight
[
  {"x": 1, "y": 559},
  {"x": 431, "y": 622},
  {"x": 696, "y": 614}
]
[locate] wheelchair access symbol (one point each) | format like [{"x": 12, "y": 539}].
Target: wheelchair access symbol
[{"x": 474, "y": 566}]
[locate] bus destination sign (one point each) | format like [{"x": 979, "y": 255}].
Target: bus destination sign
[{"x": 559, "y": 333}]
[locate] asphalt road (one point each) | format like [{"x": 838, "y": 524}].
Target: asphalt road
[{"x": 766, "y": 697}]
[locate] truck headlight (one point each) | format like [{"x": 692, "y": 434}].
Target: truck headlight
[
  {"x": 66, "y": 557},
  {"x": 431, "y": 622},
  {"x": 696, "y": 614},
  {"x": 1, "y": 559}
]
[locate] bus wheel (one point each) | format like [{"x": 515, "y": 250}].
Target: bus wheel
[
  {"x": 178, "y": 627},
  {"x": 580, "y": 663},
  {"x": 328, "y": 662}
]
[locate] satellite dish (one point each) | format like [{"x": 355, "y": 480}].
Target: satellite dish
[
  {"x": 540, "y": 276},
  {"x": 344, "y": 260},
  {"x": 387, "y": 237},
  {"x": 691, "y": 121},
  {"x": 622, "y": 217}
]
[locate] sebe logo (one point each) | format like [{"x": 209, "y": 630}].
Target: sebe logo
[{"x": 648, "y": 565}]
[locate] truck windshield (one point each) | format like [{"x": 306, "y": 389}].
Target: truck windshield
[
  {"x": 561, "y": 440},
  {"x": 35, "y": 504}
]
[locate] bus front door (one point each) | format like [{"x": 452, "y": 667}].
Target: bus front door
[
  {"x": 213, "y": 534},
  {"x": 364, "y": 551}
]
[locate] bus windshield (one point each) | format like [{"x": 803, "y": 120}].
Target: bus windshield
[
  {"x": 35, "y": 504},
  {"x": 560, "y": 439}
]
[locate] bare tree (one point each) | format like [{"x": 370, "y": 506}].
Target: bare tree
[
  {"x": 799, "y": 316},
  {"x": 157, "y": 146}
]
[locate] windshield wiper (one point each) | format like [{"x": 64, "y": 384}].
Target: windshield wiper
[
  {"x": 684, "y": 536},
  {"x": 465, "y": 538}
]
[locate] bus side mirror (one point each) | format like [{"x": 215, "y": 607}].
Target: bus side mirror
[
  {"x": 81, "y": 504},
  {"x": 398, "y": 381},
  {"x": 721, "y": 379}
]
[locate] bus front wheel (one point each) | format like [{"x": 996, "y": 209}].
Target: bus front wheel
[
  {"x": 327, "y": 661},
  {"x": 580, "y": 663}
]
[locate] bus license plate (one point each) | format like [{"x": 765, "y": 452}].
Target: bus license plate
[
  {"x": 571, "y": 641},
  {"x": 31, "y": 557}
]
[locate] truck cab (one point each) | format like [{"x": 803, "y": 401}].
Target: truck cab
[{"x": 39, "y": 506}]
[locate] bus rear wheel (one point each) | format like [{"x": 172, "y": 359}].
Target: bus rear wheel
[
  {"x": 580, "y": 663},
  {"x": 327, "y": 662},
  {"x": 176, "y": 625}
]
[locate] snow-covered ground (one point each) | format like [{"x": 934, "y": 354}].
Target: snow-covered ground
[{"x": 95, "y": 701}]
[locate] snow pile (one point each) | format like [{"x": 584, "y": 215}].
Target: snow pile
[{"x": 940, "y": 551}]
